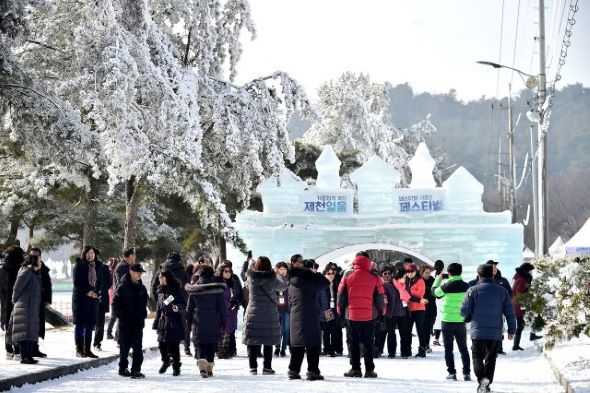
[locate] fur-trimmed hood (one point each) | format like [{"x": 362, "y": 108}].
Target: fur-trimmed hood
[{"x": 201, "y": 288}]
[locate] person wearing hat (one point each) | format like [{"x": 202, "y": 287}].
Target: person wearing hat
[
  {"x": 484, "y": 306},
  {"x": 129, "y": 306},
  {"x": 521, "y": 284}
]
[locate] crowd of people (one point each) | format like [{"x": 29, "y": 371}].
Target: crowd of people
[{"x": 290, "y": 306}]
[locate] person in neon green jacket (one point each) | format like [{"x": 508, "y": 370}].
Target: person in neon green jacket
[{"x": 453, "y": 324}]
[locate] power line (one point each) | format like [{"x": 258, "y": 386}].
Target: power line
[
  {"x": 515, "y": 42},
  {"x": 500, "y": 50}
]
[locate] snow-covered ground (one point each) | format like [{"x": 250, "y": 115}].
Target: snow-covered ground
[
  {"x": 572, "y": 358},
  {"x": 60, "y": 349},
  {"x": 522, "y": 372}
]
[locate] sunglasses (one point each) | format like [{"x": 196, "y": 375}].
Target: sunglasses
[
  {"x": 329, "y": 274},
  {"x": 386, "y": 274},
  {"x": 227, "y": 271}
]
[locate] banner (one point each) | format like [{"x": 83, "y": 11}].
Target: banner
[
  {"x": 409, "y": 200},
  {"x": 328, "y": 203}
]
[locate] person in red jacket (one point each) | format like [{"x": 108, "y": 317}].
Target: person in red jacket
[
  {"x": 521, "y": 284},
  {"x": 361, "y": 298},
  {"x": 417, "y": 288}
]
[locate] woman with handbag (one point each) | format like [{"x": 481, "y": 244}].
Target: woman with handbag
[
  {"x": 329, "y": 319},
  {"x": 169, "y": 322},
  {"x": 261, "y": 320}
]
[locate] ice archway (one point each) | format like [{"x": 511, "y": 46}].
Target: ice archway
[
  {"x": 324, "y": 219},
  {"x": 354, "y": 248}
]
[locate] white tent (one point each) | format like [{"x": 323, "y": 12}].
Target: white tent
[
  {"x": 557, "y": 249},
  {"x": 580, "y": 243},
  {"x": 527, "y": 255}
]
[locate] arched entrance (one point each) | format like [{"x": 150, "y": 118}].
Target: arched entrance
[{"x": 323, "y": 259}]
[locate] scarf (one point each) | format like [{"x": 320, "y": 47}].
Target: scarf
[{"x": 92, "y": 273}]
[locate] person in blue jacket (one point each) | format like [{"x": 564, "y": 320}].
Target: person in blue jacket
[{"x": 484, "y": 306}]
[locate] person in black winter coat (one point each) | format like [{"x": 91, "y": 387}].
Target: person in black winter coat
[
  {"x": 331, "y": 330},
  {"x": 169, "y": 321},
  {"x": 174, "y": 265},
  {"x": 130, "y": 307},
  {"x": 305, "y": 322},
  {"x": 87, "y": 276},
  {"x": 206, "y": 310},
  {"x": 103, "y": 306},
  {"x": 431, "y": 311},
  {"x": 8, "y": 272},
  {"x": 46, "y": 294}
]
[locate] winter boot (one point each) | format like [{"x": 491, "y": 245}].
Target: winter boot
[
  {"x": 534, "y": 337},
  {"x": 268, "y": 371},
  {"x": 484, "y": 386},
  {"x": 137, "y": 375},
  {"x": 452, "y": 377},
  {"x": 80, "y": 348},
  {"x": 277, "y": 352},
  {"x": 352, "y": 373},
  {"x": 88, "y": 348},
  {"x": 210, "y": 366},
  {"x": 466, "y": 377},
  {"x": 293, "y": 375},
  {"x": 124, "y": 372},
  {"x": 421, "y": 352},
  {"x": 37, "y": 353},
  {"x": 202, "y": 365},
  {"x": 165, "y": 365},
  {"x": 176, "y": 369},
  {"x": 370, "y": 374},
  {"x": 311, "y": 376}
]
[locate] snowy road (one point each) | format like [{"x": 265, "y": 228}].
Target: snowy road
[{"x": 522, "y": 373}]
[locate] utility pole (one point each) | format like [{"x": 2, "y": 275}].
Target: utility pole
[
  {"x": 500, "y": 176},
  {"x": 534, "y": 194},
  {"x": 512, "y": 169},
  {"x": 541, "y": 244}
]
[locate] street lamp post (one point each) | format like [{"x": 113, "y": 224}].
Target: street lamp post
[{"x": 531, "y": 82}]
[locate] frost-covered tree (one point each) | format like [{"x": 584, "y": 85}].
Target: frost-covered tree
[
  {"x": 354, "y": 117},
  {"x": 146, "y": 79},
  {"x": 245, "y": 137}
]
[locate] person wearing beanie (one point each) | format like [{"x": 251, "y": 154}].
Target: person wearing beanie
[
  {"x": 521, "y": 284},
  {"x": 484, "y": 306}
]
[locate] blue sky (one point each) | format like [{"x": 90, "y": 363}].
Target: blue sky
[{"x": 431, "y": 44}]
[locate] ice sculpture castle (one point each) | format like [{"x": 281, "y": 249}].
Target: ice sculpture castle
[{"x": 322, "y": 221}]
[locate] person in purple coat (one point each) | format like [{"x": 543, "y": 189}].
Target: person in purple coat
[{"x": 231, "y": 300}]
